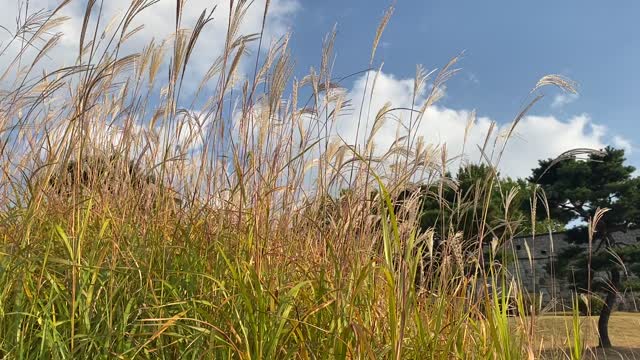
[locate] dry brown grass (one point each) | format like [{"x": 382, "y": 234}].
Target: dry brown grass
[{"x": 553, "y": 333}]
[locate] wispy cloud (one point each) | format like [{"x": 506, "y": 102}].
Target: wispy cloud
[{"x": 562, "y": 100}]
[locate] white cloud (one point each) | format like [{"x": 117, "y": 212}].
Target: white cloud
[
  {"x": 542, "y": 137},
  {"x": 159, "y": 24},
  {"x": 535, "y": 137},
  {"x": 622, "y": 143},
  {"x": 561, "y": 100}
]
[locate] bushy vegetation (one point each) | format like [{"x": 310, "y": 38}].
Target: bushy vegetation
[
  {"x": 603, "y": 194},
  {"x": 260, "y": 257},
  {"x": 591, "y": 305}
]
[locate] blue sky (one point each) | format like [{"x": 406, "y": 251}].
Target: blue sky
[{"x": 508, "y": 45}]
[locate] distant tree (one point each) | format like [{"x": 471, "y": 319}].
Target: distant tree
[
  {"x": 575, "y": 189},
  {"x": 482, "y": 205},
  {"x": 109, "y": 175},
  {"x": 476, "y": 203},
  {"x": 97, "y": 170}
]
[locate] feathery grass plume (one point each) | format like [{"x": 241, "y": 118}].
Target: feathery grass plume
[
  {"x": 571, "y": 154},
  {"x": 379, "y": 31},
  {"x": 560, "y": 81}
]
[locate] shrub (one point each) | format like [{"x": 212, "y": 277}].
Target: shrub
[
  {"x": 591, "y": 302},
  {"x": 100, "y": 171}
]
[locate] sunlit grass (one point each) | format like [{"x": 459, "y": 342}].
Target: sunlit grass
[
  {"x": 262, "y": 235},
  {"x": 551, "y": 332},
  {"x": 623, "y": 327}
]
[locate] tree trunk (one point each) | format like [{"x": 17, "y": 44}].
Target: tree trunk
[{"x": 605, "y": 314}]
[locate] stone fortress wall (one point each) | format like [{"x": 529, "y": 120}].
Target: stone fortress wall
[{"x": 537, "y": 274}]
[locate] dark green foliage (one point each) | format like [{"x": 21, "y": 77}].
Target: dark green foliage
[
  {"x": 476, "y": 202},
  {"x": 463, "y": 203},
  {"x": 99, "y": 171},
  {"x": 575, "y": 190},
  {"x": 632, "y": 284},
  {"x": 594, "y": 307}
]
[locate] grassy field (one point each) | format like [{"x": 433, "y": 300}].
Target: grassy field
[
  {"x": 554, "y": 332},
  {"x": 230, "y": 222}
]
